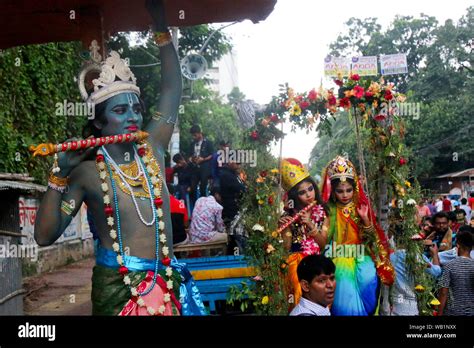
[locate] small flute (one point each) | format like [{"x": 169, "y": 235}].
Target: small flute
[
  {"x": 50, "y": 149},
  {"x": 296, "y": 217}
]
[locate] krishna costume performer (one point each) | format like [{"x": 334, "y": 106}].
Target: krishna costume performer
[
  {"x": 303, "y": 239},
  {"x": 123, "y": 284},
  {"x": 356, "y": 275}
]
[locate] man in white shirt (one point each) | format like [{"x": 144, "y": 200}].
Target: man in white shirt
[
  {"x": 318, "y": 284},
  {"x": 439, "y": 204},
  {"x": 466, "y": 208}
]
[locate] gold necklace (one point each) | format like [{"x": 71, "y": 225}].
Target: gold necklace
[
  {"x": 347, "y": 211},
  {"x": 131, "y": 169}
]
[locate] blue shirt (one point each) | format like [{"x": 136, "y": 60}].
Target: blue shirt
[{"x": 403, "y": 295}]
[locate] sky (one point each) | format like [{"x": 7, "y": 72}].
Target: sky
[{"x": 290, "y": 46}]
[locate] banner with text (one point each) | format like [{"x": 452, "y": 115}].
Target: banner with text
[
  {"x": 365, "y": 66},
  {"x": 335, "y": 65},
  {"x": 393, "y": 64}
]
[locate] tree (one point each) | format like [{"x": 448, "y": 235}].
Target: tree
[
  {"x": 439, "y": 82},
  {"x": 33, "y": 80},
  {"x": 342, "y": 141},
  {"x": 216, "y": 118},
  {"x": 193, "y": 39},
  {"x": 235, "y": 96}
]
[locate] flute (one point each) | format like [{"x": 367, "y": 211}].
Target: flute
[
  {"x": 296, "y": 217},
  {"x": 51, "y": 149}
]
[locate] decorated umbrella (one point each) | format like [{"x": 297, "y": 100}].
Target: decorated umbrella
[{"x": 27, "y": 22}]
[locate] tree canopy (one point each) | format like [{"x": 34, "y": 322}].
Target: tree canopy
[
  {"x": 439, "y": 81},
  {"x": 34, "y": 78}
]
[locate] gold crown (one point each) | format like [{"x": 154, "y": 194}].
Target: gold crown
[
  {"x": 113, "y": 77},
  {"x": 341, "y": 168},
  {"x": 292, "y": 173}
]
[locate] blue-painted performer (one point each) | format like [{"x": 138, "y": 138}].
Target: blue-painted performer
[{"x": 123, "y": 187}]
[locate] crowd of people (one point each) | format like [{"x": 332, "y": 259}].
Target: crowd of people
[
  {"x": 348, "y": 284},
  {"x": 459, "y": 211},
  {"x": 338, "y": 256},
  {"x": 210, "y": 190},
  {"x": 320, "y": 280}
]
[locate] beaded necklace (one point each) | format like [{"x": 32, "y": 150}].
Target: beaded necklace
[{"x": 103, "y": 163}]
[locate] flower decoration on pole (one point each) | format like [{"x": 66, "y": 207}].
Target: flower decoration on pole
[
  {"x": 304, "y": 109},
  {"x": 265, "y": 129},
  {"x": 370, "y": 98}
]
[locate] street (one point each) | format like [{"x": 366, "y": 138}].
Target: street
[{"x": 65, "y": 291}]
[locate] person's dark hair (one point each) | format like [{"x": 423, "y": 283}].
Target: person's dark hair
[
  {"x": 178, "y": 157},
  {"x": 222, "y": 143},
  {"x": 293, "y": 195},
  {"x": 195, "y": 129},
  {"x": 167, "y": 159},
  {"x": 471, "y": 194},
  {"x": 463, "y": 201},
  {"x": 314, "y": 265},
  {"x": 452, "y": 216},
  {"x": 90, "y": 128},
  {"x": 215, "y": 189},
  {"x": 465, "y": 238},
  {"x": 466, "y": 228},
  {"x": 440, "y": 215},
  {"x": 170, "y": 188},
  {"x": 426, "y": 219}
]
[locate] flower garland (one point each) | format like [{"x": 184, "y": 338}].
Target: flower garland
[
  {"x": 152, "y": 180},
  {"x": 265, "y": 249},
  {"x": 375, "y": 104},
  {"x": 305, "y": 109}
]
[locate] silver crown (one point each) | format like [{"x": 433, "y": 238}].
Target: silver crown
[{"x": 115, "y": 76}]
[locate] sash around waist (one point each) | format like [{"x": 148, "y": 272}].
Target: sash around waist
[{"x": 108, "y": 258}]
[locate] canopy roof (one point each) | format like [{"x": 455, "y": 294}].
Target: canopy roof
[{"x": 25, "y": 22}]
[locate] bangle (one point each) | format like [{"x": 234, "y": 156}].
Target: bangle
[
  {"x": 66, "y": 208},
  {"x": 56, "y": 183},
  {"x": 57, "y": 180},
  {"x": 163, "y": 38},
  {"x": 158, "y": 116},
  {"x": 60, "y": 189}
]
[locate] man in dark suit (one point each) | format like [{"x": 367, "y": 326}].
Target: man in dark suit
[
  {"x": 201, "y": 153},
  {"x": 232, "y": 190}
]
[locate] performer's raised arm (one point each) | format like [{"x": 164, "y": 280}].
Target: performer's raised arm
[{"x": 161, "y": 126}]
